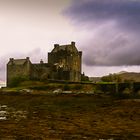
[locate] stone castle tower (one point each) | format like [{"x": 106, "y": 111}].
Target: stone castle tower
[
  {"x": 64, "y": 63},
  {"x": 67, "y": 62},
  {"x": 18, "y": 68}
]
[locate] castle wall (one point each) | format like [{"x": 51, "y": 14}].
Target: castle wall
[
  {"x": 40, "y": 72},
  {"x": 60, "y": 74},
  {"x": 64, "y": 63},
  {"x": 18, "y": 71},
  {"x": 70, "y": 62}
]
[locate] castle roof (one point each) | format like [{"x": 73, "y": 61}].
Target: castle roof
[
  {"x": 18, "y": 61},
  {"x": 70, "y": 47}
]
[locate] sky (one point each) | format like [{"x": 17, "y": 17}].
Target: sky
[{"x": 107, "y": 32}]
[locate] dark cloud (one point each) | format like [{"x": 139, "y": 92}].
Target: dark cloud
[
  {"x": 114, "y": 31},
  {"x": 124, "y": 12}
]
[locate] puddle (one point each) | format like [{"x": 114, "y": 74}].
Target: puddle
[{"x": 9, "y": 113}]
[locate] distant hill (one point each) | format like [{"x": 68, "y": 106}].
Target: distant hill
[
  {"x": 121, "y": 72},
  {"x": 127, "y": 76},
  {"x": 124, "y": 76},
  {"x": 95, "y": 79}
]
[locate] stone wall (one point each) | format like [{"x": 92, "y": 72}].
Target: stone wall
[
  {"x": 64, "y": 63},
  {"x": 18, "y": 71},
  {"x": 67, "y": 60},
  {"x": 40, "y": 71}
]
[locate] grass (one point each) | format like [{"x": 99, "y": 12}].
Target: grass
[
  {"x": 67, "y": 117},
  {"x": 42, "y": 86}
]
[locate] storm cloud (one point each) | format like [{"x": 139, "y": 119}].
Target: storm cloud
[{"x": 114, "y": 29}]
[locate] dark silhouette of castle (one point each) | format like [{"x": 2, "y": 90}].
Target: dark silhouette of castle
[{"x": 64, "y": 63}]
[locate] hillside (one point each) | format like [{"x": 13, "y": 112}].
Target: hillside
[
  {"x": 124, "y": 76},
  {"x": 95, "y": 79},
  {"x": 127, "y": 76}
]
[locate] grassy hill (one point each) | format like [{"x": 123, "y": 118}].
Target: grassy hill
[
  {"x": 127, "y": 76},
  {"x": 95, "y": 79},
  {"x": 123, "y": 75}
]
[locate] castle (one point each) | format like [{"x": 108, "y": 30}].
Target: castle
[{"x": 64, "y": 63}]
